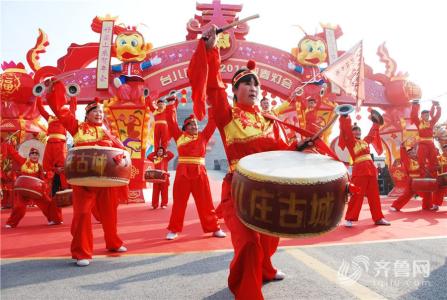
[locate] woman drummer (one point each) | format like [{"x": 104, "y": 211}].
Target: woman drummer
[
  {"x": 89, "y": 133},
  {"x": 244, "y": 130},
  {"x": 30, "y": 167}
]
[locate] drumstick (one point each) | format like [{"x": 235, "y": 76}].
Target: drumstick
[{"x": 232, "y": 24}]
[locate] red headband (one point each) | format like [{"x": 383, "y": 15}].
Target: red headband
[
  {"x": 33, "y": 150},
  {"x": 92, "y": 105},
  {"x": 189, "y": 119},
  {"x": 251, "y": 65}
]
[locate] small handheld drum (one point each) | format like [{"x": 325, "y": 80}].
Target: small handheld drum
[
  {"x": 156, "y": 176},
  {"x": 424, "y": 184},
  {"x": 98, "y": 166},
  {"x": 288, "y": 193},
  {"x": 442, "y": 180},
  {"x": 63, "y": 198},
  {"x": 29, "y": 187}
]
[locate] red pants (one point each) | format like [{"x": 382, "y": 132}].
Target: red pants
[
  {"x": 199, "y": 187},
  {"x": 369, "y": 187},
  {"x": 8, "y": 197},
  {"x": 157, "y": 189},
  {"x": 427, "y": 159},
  {"x": 48, "y": 208},
  {"x": 408, "y": 194},
  {"x": 438, "y": 196},
  {"x": 54, "y": 156},
  {"x": 161, "y": 136},
  {"x": 251, "y": 264},
  {"x": 106, "y": 201}
]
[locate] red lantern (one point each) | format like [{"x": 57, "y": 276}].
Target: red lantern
[
  {"x": 16, "y": 85},
  {"x": 274, "y": 102},
  {"x": 358, "y": 117},
  {"x": 183, "y": 100}
]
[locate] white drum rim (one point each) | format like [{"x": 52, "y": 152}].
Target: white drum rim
[
  {"x": 28, "y": 190},
  {"x": 27, "y": 176},
  {"x": 64, "y": 192},
  {"x": 242, "y": 170},
  {"x": 97, "y": 148},
  {"x": 96, "y": 181}
]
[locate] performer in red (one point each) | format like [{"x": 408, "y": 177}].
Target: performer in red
[
  {"x": 106, "y": 199},
  {"x": 56, "y": 147},
  {"x": 411, "y": 165},
  {"x": 191, "y": 176},
  {"x": 30, "y": 167},
  {"x": 438, "y": 196},
  {"x": 427, "y": 153},
  {"x": 161, "y": 159},
  {"x": 364, "y": 172},
  {"x": 161, "y": 131},
  {"x": 266, "y": 107},
  {"x": 244, "y": 130}
]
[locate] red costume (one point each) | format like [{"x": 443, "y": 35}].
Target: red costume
[
  {"x": 56, "y": 147},
  {"x": 191, "y": 176},
  {"x": 160, "y": 163},
  {"x": 106, "y": 199},
  {"x": 412, "y": 168},
  {"x": 161, "y": 131},
  {"x": 244, "y": 130},
  {"x": 438, "y": 196},
  {"x": 34, "y": 169},
  {"x": 364, "y": 172},
  {"x": 427, "y": 153}
]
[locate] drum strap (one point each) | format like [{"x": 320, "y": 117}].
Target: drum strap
[{"x": 320, "y": 145}]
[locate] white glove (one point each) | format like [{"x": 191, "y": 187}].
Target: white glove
[
  {"x": 155, "y": 61},
  {"x": 291, "y": 65}
]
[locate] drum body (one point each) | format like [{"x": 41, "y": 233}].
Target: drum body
[
  {"x": 29, "y": 187},
  {"x": 288, "y": 193},
  {"x": 155, "y": 176},
  {"x": 424, "y": 184},
  {"x": 64, "y": 198},
  {"x": 442, "y": 180},
  {"x": 98, "y": 166}
]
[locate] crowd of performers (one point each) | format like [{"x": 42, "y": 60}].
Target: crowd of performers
[{"x": 245, "y": 128}]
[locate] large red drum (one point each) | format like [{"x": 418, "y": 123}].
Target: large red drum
[
  {"x": 29, "y": 187},
  {"x": 424, "y": 184},
  {"x": 155, "y": 176},
  {"x": 288, "y": 193},
  {"x": 98, "y": 166},
  {"x": 64, "y": 198}
]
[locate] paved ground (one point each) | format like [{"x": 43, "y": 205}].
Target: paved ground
[{"x": 412, "y": 269}]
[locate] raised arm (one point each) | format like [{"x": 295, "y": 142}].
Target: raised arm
[
  {"x": 171, "y": 119},
  {"x": 41, "y": 109},
  {"x": 415, "y": 114},
  {"x": 435, "y": 113},
  {"x": 374, "y": 138},
  {"x": 281, "y": 108},
  {"x": 404, "y": 158},
  {"x": 56, "y": 100},
  {"x": 206, "y": 81},
  {"x": 73, "y": 105},
  {"x": 210, "y": 126},
  {"x": 346, "y": 134},
  {"x": 13, "y": 154},
  {"x": 169, "y": 155},
  {"x": 151, "y": 156}
]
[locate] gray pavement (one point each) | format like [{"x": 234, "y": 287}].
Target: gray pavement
[{"x": 391, "y": 270}]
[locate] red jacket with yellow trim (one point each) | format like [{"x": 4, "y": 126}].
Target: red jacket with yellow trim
[{"x": 191, "y": 148}]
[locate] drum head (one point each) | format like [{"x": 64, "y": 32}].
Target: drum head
[
  {"x": 291, "y": 167},
  {"x": 27, "y": 145}
]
